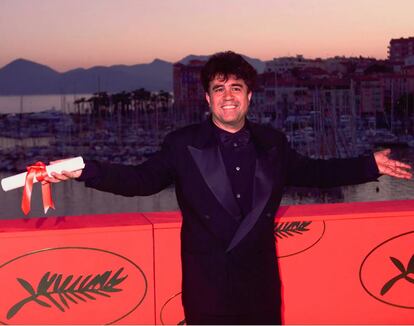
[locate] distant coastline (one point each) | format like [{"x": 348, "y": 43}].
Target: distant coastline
[
  {"x": 25, "y": 77},
  {"x": 39, "y": 102}
]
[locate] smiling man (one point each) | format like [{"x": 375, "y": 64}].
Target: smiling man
[
  {"x": 229, "y": 99},
  {"x": 229, "y": 176}
]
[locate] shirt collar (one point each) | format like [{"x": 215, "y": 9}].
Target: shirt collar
[{"x": 240, "y": 138}]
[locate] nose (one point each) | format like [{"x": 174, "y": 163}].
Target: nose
[{"x": 228, "y": 94}]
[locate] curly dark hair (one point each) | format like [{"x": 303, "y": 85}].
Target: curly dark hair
[{"x": 226, "y": 64}]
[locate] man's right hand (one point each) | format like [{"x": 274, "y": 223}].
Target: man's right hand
[{"x": 65, "y": 175}]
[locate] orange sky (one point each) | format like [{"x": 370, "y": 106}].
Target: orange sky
[{"x": 66, "y": 34}]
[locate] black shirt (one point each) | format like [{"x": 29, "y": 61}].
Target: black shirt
[{"x": 239, "y": 156}]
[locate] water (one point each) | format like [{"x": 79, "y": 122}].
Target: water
[
  {"x": 73, "y": 198},
  {"x": 38, "y": 103}
]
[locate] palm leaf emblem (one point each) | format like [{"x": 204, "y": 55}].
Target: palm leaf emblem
[
  {"x": 404, "y": 272},
  {"x": 55, "y": 290},
  {"x": 290, "y": 229}
]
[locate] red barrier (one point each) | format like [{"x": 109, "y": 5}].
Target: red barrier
[
  {"x": 77, "y": 270},
  {"x": 168, "y": 309},
  {"x": 340, "y": 278},
  {"x": 340, "y": 264}
]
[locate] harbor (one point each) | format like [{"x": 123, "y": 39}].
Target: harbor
[
  {"x": 109, "y": 135},
  {"x": 131, "y": 136}
]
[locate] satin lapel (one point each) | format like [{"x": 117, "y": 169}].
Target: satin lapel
[
  {"x": 262, "y": 188},
  {"x": 211, "y": 166}
]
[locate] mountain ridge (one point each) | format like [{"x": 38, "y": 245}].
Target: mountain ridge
[{"x": 25, "y": 77}]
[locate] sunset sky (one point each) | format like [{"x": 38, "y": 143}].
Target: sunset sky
[{"x": 66, "y": 34}]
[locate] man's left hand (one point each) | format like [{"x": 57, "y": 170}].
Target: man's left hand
[{"x": 392, "y": 167}]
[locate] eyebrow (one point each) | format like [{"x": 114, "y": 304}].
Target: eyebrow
[
  {"x": 237, "y": 84},
  {"x": 217, "y": 86},
  {"x": 231, "y": 85}
]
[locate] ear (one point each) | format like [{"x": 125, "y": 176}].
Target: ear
[
  {"x": 249, "y": 96},
  {"x": 208, "y": 98}
]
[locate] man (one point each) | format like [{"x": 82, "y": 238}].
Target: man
[{"x": 229, "y": 176}]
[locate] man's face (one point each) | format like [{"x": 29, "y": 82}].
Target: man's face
[{"x": 229, "y": 102}]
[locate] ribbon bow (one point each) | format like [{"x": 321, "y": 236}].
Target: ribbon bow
[{"x": 37, "y": 170}]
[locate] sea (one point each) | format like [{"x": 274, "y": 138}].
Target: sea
[
  {"x": 38, "y": 103},
  {"x": 73, "y": 198}
]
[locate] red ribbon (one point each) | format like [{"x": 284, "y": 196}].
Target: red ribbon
[{"x": 37, "y": 170}]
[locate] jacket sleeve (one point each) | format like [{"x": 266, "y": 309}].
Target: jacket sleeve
[
  {"x": 144, "y": 179},
  {"x": 306, "y": 172}
]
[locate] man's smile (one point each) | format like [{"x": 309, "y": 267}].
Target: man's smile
[{"x": 229, "y": 106}]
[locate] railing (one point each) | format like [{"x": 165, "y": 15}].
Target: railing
[{"x": 340, "y": 264}]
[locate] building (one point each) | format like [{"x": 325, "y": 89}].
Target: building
[
  {"x": 409, "y": 61},
  {"x": 370, "y": 92},
  {"x": 284, "y": 64},
  {"x": 400, "y": 49},
  {"x": 189, "y": 97}
]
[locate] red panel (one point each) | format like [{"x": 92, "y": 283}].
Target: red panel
[
  {"x": 168, "y": 308},
  {"x": 338, "y": 280},
  {"x": 114, "y": 266}
]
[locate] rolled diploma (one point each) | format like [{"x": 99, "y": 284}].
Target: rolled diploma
[{"x": 18, "y": 180}]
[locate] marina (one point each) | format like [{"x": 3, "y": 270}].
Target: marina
[{"x": 130, "y": 136}]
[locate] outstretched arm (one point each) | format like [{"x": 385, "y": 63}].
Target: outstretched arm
[
  {"x": 143, "y": 179},
  {"x": 392, "y": 167}
]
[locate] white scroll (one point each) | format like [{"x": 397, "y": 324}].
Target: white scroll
[{"x": 18, "y": 180}]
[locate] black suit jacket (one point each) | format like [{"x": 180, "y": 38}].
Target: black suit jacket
[{"x": 229, "y": 266}]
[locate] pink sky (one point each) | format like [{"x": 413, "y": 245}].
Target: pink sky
[{"x": 66, "y": 34}]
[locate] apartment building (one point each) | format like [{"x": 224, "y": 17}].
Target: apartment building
[
  {"x": 189, "y": 97},
  {"x": 401, "y": 48}
]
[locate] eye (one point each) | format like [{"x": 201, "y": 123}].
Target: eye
[
  {"x": 218, "y": 89},
  {"x": 236, "y": 89}
]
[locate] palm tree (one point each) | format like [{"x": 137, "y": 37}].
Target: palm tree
[
  {"x": 141, "y": 97},
  {"x": 80, "y": 105}
]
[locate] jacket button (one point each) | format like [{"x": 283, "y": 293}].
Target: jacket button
[
  {"x": 207, "y": 217},
  {"x": 269, "y": 214}
]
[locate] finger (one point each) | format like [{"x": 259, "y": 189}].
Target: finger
[
  {"x": 403, "y": 175},
  {"x": 398, "y": 164},
  {"x": 399, "y": 173},
  {"x": 50, "y": 180},
  {"x": 68, "y": 174},
  {"x": 403, "y": 165},
  {"x": 59, "y": 177}
]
